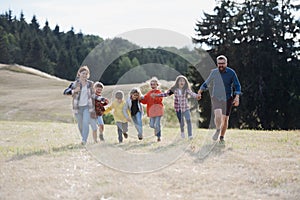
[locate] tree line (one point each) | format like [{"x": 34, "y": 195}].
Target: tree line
[
  {"x": 61, "y": 54},
  {"x": 262, "y": 42}
]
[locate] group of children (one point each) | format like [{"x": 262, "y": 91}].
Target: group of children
[{"x": 131, "y": 109}]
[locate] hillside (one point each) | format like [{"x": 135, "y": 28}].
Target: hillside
[{"x": 41, "y": 156}]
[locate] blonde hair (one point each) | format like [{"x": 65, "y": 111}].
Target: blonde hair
[
  {"x": 83, "y": 68},
  {"x": 154, "y": 79},
  {"x": 98, "y": 84},
  {"x": 119, "y": 94}
]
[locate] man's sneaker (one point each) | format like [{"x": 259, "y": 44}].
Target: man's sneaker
[
  {"x": 222, "y": 141},
  {"x": 140, "y": 137},
  {"x": 125, "y": 135},
  {"x": 216, "y": 135},
  {"x": 101, "y": 137},
  {"x": 182, "y": 135}
]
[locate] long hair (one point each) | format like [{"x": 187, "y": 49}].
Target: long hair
[
  {"x": 83, "y": 68},
  {"x": 176, "y": 85}
]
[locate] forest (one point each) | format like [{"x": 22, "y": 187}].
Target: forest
[{"x": 260, "y": 39}]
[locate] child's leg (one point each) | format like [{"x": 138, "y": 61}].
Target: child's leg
[
  {"x": 93, "y": 123},
  {"x": 157, "y": 126},
  {"x": 101, "y": 127},
  {"x": 137, "y": 120},
  {"x": 181, "y": 122},
  {"x": 125, "y": 129},
  {"x": 187, "y": 115},
  {"x": 151, "y": 124},
  {"x": 120, "y": 132}
]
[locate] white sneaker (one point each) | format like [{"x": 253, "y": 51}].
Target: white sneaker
[
  {"x": 182, "y": 135},
  {"x": 216, "y": 135},
  {"x": 190, "y": 137}
]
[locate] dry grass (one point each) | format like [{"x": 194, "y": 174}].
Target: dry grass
[{"x": 43, "y": 159}]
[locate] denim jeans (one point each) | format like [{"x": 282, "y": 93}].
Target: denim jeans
[
  {"x": 155, "y": 123},
  {"x": 137, "y": 120},
  {"x": 83, "y": 120},
  {"x": 122, "y": 128},
  {"x": 187, "y": 116}
]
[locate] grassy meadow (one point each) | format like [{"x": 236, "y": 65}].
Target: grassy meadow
[{"x": 41, "y": 156}]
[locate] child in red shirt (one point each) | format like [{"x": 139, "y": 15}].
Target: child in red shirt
[{"x": 155, "y": 108}]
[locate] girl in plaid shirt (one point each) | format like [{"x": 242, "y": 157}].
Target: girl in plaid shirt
[{"x": 181, "y": 89}]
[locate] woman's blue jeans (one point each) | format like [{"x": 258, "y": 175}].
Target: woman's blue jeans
[{"x": 83, "y": 120}]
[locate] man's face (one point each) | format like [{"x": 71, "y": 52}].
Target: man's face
[{"x": 222, "y": 64}]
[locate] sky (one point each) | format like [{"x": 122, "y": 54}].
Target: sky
[{"x": 110, "y": 18}]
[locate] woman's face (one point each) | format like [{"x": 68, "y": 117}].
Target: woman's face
[{"x": 83, "y": 75}]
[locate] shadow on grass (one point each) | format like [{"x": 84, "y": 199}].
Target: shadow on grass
[
  {"x": 208, "y": 150},
  {"x": 23, "y": 154}
]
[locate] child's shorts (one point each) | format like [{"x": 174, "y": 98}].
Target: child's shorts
[
  {"x": 100, "y": 120},
  {"x": 93, "y": 123}
]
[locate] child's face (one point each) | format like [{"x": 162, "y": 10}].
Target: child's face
[
  {"x": 119, "y": 100},
  {"x": 135, "y": 96},
  {"x": 153, "y": 85},
  {"x": 181, "y": 83},
  {"x": 99, "y": 90}
]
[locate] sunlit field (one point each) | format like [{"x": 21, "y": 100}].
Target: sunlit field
[{"x": 41, "y": 156}]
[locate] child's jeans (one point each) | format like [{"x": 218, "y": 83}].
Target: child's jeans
[
  {"x": 122, "y": 128},
  {"x": 187, "y": 116},
  {"x": 155, "y": 123},
  {"x": 137, "y": 120}
]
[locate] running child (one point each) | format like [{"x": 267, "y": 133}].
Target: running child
[
  {"x": 100, "y": 102},
  {"x": 155, "y": 108},
  {"x": 181, "y": 89},
  {"x": 135, "y": 108},
  {"x": 117, "y": 108}
]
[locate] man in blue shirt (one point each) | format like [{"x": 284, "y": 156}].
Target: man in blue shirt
[{"x": 226, "y": 90}]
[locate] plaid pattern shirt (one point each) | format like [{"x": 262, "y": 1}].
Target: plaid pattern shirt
[
  {"x": 76, "y": 97},
  {"x": 180, "y": 99}
]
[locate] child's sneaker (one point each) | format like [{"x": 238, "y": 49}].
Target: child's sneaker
[
  {"x": 216, "y": 135},
  {"x": 125, "y": 135},
  {"x": 190, "y": 137},
  {"x": 140, "y": 137},
  {"x": 158, "y": 140},
  {"x": 101, "y": 137},
  {"x": 182, "y": 135}
]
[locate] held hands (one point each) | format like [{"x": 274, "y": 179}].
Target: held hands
[
  {"x": 199, "y": 95},
  {"x": 236, "y": 100}
]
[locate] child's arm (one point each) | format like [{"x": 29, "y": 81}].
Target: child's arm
[
  {"x": 193, "y": 94},
  {"x": 125, "y": 113},
  {"x": 166, "y": 94}
]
